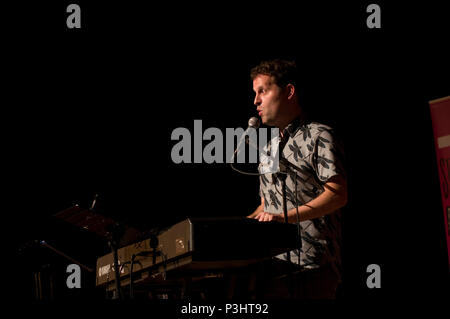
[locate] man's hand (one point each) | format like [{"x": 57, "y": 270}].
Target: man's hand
[{"x": 267, "y": 217}]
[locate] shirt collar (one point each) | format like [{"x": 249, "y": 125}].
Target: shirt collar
[{"x": 293, "y": 127}]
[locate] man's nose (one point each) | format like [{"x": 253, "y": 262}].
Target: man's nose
[{"x": 257, "y": 100}]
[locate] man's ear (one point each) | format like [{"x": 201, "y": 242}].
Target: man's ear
[{"x": 290, "y": 91}]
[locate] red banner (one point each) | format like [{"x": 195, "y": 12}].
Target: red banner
[{"x": 440, "y": 116}]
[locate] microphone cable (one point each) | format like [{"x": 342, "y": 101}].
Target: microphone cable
[{"x": 299, "y": 234}]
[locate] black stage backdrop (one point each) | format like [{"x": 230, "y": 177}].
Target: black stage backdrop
[{"x": 92, "y": 111}]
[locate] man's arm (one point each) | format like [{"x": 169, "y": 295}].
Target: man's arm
[
  {"x": 333, "y": 197},
  {"x": 258, "y": 210}
]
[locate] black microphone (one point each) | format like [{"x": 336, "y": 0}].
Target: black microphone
[{"x": 253, "y": 123}]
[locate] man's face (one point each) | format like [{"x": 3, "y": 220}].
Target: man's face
[{"x": 268, "y": 99}]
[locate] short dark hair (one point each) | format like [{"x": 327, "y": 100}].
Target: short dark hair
[{"x": 284, "y": 72}]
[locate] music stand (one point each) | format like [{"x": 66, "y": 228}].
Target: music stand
[{"x": 106, "y": 228}]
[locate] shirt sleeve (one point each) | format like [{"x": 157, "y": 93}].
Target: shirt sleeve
[{"x": 328, "y": 157}]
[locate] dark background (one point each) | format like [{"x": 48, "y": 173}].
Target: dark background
[{"x": 92, "y": 111}]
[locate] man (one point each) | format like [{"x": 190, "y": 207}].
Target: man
[{"x": 316, "y": 186}]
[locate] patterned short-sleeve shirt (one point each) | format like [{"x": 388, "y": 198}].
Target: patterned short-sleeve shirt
[{"x": 314, "y": 155}]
